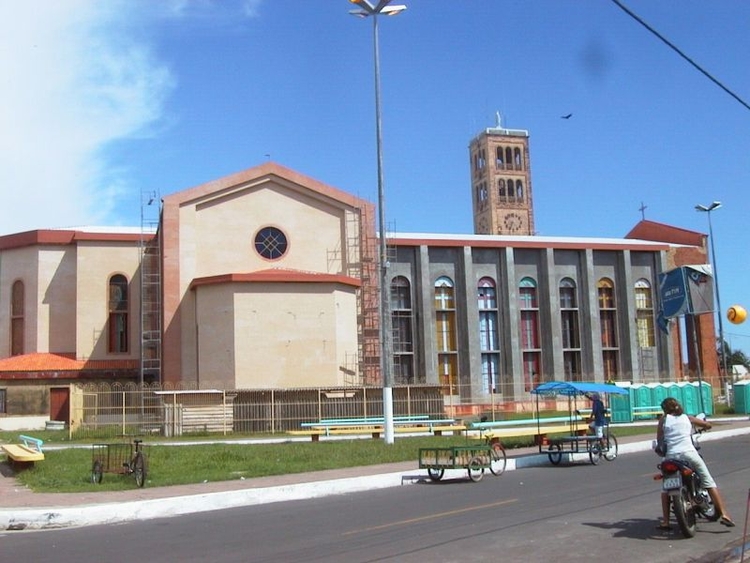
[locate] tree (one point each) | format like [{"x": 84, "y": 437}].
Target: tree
[{"x": 734, "y": 357}]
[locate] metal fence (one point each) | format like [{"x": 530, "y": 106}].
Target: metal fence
[
  {"x": 100, "y": 410},
  {"x": 114, "y": 410}
]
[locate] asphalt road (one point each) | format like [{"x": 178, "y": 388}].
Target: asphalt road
[{"x": 566, "y": 513}]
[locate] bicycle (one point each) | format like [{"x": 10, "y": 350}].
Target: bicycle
[
  {"x": 127, "y": 459},
  {"x": 605, "y": 447},
  {"x": 498, "y": 457}
]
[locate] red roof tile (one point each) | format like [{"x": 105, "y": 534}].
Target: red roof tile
[{"x": 61, "y": 362}]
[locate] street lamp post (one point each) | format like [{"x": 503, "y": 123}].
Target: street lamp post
[
  {"x": 707, "y": 210},
  {"x": 367, "y": 9}
]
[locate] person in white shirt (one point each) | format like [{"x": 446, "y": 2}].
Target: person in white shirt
[{"x": 674, "y": 433}]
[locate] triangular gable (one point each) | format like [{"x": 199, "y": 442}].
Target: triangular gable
[{"x": 257, "y": 175}]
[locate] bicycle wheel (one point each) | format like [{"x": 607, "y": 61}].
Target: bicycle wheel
[
  {"x": 139, "y": 469},
  {"x": 610, "y": 447},
  {"x": 554, "y": 452},
  {"x": 499, "y": 459},
  {"x": 97, "y": 472}
]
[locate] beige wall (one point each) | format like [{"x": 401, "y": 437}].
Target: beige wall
[
  {"x": 96, "y": 263},
  {"x": 19, "y": 264},
  {"x": 57, "y": 300},
  {"x": 48, "y": 274},
  {"x": 260, "y": 335},
  {"x": 66, "y": 293},
  {"x": 226, "y": 228},
  {"x": 216, "y": 237}
]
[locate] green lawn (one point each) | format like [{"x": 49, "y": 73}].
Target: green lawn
[{"x": 69, "y": 470}]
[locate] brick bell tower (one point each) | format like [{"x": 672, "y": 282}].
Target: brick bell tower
[{"x": 501, "y": 182}]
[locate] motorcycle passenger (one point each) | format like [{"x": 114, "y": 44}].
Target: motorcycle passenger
[{"x": 674, "y": 434}]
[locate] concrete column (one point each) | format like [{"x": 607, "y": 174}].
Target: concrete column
[
  {"x": 510, "y": 321},
  {"x": 591, "y": 345},
  {"x": 424, "y": 291}
]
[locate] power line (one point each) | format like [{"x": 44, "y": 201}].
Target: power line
[{"x": 679, "y": 52}]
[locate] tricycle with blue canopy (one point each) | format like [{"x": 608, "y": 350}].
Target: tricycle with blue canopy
[{"x": 578, "y": 439}]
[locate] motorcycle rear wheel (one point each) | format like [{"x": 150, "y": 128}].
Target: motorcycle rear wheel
[{"x": 684, "y": 513}]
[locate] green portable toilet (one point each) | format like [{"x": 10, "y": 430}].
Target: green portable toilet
[
  {"x": 741, "y": 401},
  {"x": 642, "y": 396},
  {"x": 690, "y": 399},
  {"x": 658, "y": 393},
  {"x": 640, "y": 399},
  {"x": 676, "y": 390},
  {"x": 708, "y": 398},
  {"x": 619, "y": 408}
]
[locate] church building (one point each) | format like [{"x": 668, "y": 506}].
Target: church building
[{"x": 268, "y": 278}]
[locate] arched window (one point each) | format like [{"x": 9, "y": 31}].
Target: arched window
[
  {"x": 480, "y": 160},
  {"x": 445, "y": 328},
  {"x": 489, "y": 342},
  {"x": 499, "y": 164},
  {"x": 508, "y": 158},
  {"x": 644, "y": 308},
  {"x": 118, "y": 314},
  {"x": 17, "y": 318},
  {"x": 403, "y": 337},
  {"x": 571, "y": 338},
  {"x": 517, "y": 160},
  {"x": 519, "y": 190},
  {"x": 530, "y": 344},
  {"x": 608, "y": 324},
  {"x": 481, "y": 193},
  {"x": 501, "y": 188}
]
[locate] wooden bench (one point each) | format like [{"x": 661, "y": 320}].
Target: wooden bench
[
  {"x": 646, "y": 412},
  {"x": 526, "y": 422},
  {"x": 541, "y": 433},
  {"x": 376, "y": 426},
  {"x": 25, "y": 453}
]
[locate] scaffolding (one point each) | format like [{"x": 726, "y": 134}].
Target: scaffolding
[
  {"x": 150, "y": 278},
  {"x": 361, "y": 262}
]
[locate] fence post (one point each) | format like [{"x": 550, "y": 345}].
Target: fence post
[
  {"x": 320, "y": 405},
  {"x": 273, "y": 411},
  {"x": 224, "y": 412},
  {"x": 123, "y": 413}
]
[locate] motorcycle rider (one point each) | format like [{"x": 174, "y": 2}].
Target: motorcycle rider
[{"x": 674, "y": 436}]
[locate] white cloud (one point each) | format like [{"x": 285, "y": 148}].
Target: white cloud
[{"x": 74, "y": 76}]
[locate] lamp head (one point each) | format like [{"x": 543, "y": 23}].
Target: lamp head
[
  {"x": 382, "y": 7},
  {"x": 714, "y": 205}
]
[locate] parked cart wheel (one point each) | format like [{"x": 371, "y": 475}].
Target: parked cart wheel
[
  {"x": 476, "y": 469},
  {"x": 499, "y": 459},
  {"x": 139, "y": 469},
  {"x": 435, "y": 473},
  {"x": 97, "y": 472},
  {"x": 554, "y": 452}
]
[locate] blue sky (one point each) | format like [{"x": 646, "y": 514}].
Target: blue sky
[{"x": 105, "y": 102}]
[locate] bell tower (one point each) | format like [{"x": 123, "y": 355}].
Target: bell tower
[{"x": 501, "y": 182}]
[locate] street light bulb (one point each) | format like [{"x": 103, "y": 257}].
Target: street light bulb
[{"x": 393, "y": 10}]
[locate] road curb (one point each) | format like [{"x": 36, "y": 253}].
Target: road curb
[{"x": 118, "y": 512}]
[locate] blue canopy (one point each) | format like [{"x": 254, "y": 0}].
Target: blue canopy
[{"x": 575, "y": 388}]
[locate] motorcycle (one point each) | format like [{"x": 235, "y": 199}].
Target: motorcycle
[{"x": 687, "y": 497}]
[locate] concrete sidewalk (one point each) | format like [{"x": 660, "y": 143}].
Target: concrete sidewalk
[{"x": 22, "y": 509}]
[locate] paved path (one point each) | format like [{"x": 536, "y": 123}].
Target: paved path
[{"x": 22, "y": 509}]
